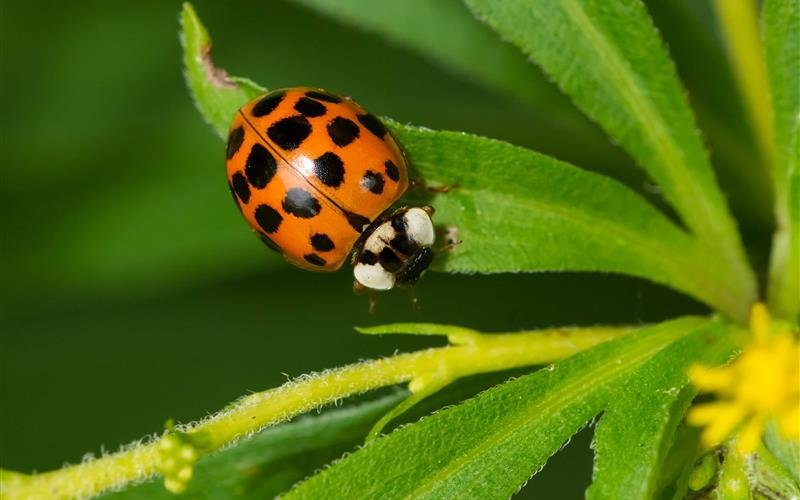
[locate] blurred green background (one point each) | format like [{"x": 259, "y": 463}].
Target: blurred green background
[{"x": 134, "y": 291}]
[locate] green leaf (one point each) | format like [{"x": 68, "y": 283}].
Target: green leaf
[
  {"x": 470, "y": 49},
  {"x": 782, "y": 41},
  {"x": 273, "y": 460},
  {"x": 516, "y": 210},
  {"x": 215, "y": 94},
  {"x": 490, "y": 445},
  {"x": 705, "y": 71},
  {"x": 466, "y": 46},
  {"x": 686, "y": 465},
  {"x": 417, "y": 329},
  {"x": 769, "y": 477},
  {"x": 786, "y": 451},
  {"x": 609, "y": 58},
  {"x": 637, "y": 427}
]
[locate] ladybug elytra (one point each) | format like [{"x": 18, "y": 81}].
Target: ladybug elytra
[{"x": 315, "y": 175}]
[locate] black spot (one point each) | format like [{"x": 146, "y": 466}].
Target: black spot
[
  {"x": 300, "y": 203},
  {"x": 310, "y": 107},
  {"x": 267, "y": 104},
  {"x": 269, "y": 243},
  {"x": 323, "y": 96},
  {"x": 391, "y": 170},
  {"x": 398, "y": 223},
  {"x": 329, "y": 169},
  {"x": 240, "y": 187},
  {"x": 373, "y": 125},
  {"x": 268, "y": 218},
  {"x": 402, "y": 244},
  {"x": 357, "y": 221},
  {"x": 342, "y": 131},
  {"x": 289, "y": 133},
  {"x": 373, "y": 182},
  {"x": 389, "y": 260},
  {"x": 235, "y": 141},
  {"x": 260, "y": 167},
  {"x": 314, "y": 259},
  {"x": 413, "y": 268},
  {"x": 368, "y": 258},
  {"x": 321, "y": 242}
]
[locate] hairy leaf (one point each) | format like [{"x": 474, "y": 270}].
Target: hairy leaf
[
  {"x": 470, "y": 49},
  {"x": 272, "y": 461},
  {"x": 705, "y": 71},
  {"x": 466, "y": 47},
  {"x": 782, "y": 40},
  {"x": 215, "y": 94},
  {"x": 639, "y": 424},
  {"x": 490, "y": 445},
  {"x": 609, "y": 58},
  {"x": 515, "y": 210},
  {"x": 786, "y": 451},
  {"x": 769, "y": 478}
]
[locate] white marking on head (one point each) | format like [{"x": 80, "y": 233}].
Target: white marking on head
[
  {"x": 373, "y": 276},
  {"x": 419, "y": 227},
  {"x": 380, "y": 238}
]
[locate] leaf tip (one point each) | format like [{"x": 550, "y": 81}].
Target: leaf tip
[
  {"x": 191, "y": 25},
  {"x": 197, "y": 43},
  {"x": 367, "y": 330}
]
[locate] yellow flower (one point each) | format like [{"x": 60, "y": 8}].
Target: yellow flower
[{"x": 761, "y": 385}]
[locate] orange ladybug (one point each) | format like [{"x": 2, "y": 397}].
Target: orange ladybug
[{"x": 314, "y": 175}]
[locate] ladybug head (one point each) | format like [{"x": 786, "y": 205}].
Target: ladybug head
[{"x": 396, "y": 251}]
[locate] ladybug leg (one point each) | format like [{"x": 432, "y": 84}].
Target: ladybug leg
[
  {"x": 421, "y": 184},
  {"x": 373, "y": 301},
  {"x": 360, "y": 289},
  {"x": 449, "y": 247}
]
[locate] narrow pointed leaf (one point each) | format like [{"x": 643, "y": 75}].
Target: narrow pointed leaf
[
  {"x": 489, "y": 446},
  {"x": 466, "y": 47},
  {"x": 515, "y": 210},
  {"x": 639, "y": 424},
  {"x": 609, "y": 58},
  {"x": 782, "y": 41},
  {"x": 470, "y": 49},
  {"x": 769, "y": 478},
  {"x": 700, "y": 57},
  {"x": 215, "y": 94},
  {"x": 786, "y": 451}
]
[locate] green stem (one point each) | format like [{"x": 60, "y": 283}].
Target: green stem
[
  {"x": 739, "y": 22},
  {"x": 175, "y": 452},
  {"x": 782, "y": 41}
]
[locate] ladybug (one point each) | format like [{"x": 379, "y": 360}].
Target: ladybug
[{"x": 315, "y": 175}]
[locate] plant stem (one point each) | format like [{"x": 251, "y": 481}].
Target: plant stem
[
  {"x": 474, "y": 353},
  {"x": 739, "y": 23},
  {"x": 780, "y": 20}
]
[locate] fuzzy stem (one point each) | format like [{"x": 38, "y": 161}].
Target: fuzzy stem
[{"x": 477, "y": 353}]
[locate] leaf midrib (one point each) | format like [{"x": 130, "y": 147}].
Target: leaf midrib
[
  {"x": 686, "y": 267},
  {"x": 598, "y": 376},
  {"x": 654, "y": 128}
]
